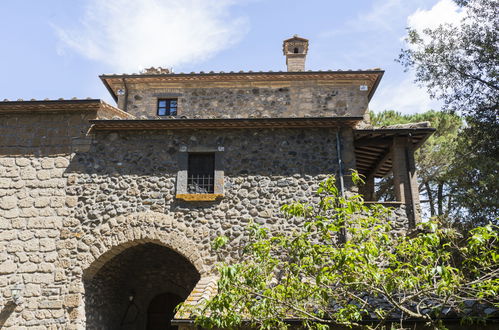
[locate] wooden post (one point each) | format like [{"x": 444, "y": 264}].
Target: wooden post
[
  {"x": 368, "y": 189},
  {"x": 405, "y": 178}
]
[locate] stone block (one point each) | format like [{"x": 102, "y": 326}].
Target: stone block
[
  {"x": 31, "y": 245},
  {"x": 8, "y": 235},
  {"x": 27, "y": 173},
  {"x": 8, "y": 202},
  {"x": 57, "y": 202},
  {"x": 61, "y": 162},
  {"x": 72, "y": 300},
  {"x": 12, "y": 213},
  {"x": 43, "y": 175},
  {"x": 25, "y": 235},
  {"x": 71, "y": 201},
  {"x": 30, "y": 212},
  {"x": 46, "y": 267},
  {"x": 26, "y": 202},
  {"x": 8, "y": 267},
  {"x": 7, "y": 162},
  {"x": 23, "y": 162},
  {"x": 47, "y": 244},
  {"x": 5, "y": 223},
  {"x": 5, "y": 182},
  {"x": 47, "y": 163},
  {"x": 50, "y": 304},
  {"x": 27, "y": 267},
  {"x": 42, "y": 202},
  {"x": 38, "y": 278}
]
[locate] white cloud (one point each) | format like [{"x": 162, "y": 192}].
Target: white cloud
[
  {"x": 381, "y": 17},
  {"x": 444, "y": 11},
  {"x": 132, "y": 34},
  {"x": 403, "y": 96}
]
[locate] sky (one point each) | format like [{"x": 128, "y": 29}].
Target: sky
[{"x": 57, "y": 48}]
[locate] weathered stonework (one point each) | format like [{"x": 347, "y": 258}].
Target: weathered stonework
[
  {"x": 66, "y": 216},
  {"x": 90, "y": 217},
  {"x": 285, "y": 100}
]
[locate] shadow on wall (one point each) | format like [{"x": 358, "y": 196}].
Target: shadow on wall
[
  {"x": 267, "y": 152},
  {"x": 6, "y": 312},
  {"x": 43, "y": 135}
]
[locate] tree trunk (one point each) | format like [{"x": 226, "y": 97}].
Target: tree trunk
[
  {"x": 440, "y": 197},
  {"x": 430, "y": 199},
  {"x": 449, "y": 202}
]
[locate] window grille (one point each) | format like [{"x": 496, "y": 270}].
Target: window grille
[{"x": 201, "y": 173}]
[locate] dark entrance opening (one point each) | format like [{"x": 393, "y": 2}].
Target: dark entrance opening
[
  {"x": 161, "y": 311},
  {"x": 139, "y": 289}
]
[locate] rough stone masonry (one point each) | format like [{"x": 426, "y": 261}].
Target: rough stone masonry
[{"x": 94, "y": 230}]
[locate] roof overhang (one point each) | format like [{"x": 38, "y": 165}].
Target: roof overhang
[
  {"x": 102, "y": 109},
  {"x": 372, "y": 147},
  {"x": 235, "y": 123},
  {"x": 372, "y": 78}
]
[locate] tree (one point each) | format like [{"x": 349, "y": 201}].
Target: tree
[
  {"x": 459, "y": 65},
  {"x": 435, "y": 159},
  {"x": 376, "y": 275}
]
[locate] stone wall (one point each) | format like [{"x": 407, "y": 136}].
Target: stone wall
[
  {"x": 44, "y": 134},
  {"x": 66, "y": 212},
  {"x": 303, "y": 99},
  {"x": 33, "y": 207},
  {"x": 136, "y": 172},
  {"x": 34, "y": 155}
]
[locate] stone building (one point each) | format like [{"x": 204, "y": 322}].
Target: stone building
[{"x": 107, "y": 213}]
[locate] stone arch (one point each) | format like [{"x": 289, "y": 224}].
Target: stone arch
[{"x": 123, "y": 232}]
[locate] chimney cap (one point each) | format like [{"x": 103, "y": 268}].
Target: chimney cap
[
  {"x": 296, "y": 38},
  {"x": 295, "y": 49},
  {"x": 288, "y": 45}
]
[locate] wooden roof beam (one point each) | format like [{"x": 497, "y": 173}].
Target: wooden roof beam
[{"x": 379, "y": 164}]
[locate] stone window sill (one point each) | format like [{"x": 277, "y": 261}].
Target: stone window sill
[{"x": 199, "y": 197}]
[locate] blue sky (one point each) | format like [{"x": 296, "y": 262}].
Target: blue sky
[{"x": 57, "y": 48}]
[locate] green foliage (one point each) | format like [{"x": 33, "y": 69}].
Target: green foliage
[
  {"x": 459, "y": 65},
  {"x": 349, "y": 264}
]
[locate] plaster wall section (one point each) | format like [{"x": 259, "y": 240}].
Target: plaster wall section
[{"x": 251, "y": 100}]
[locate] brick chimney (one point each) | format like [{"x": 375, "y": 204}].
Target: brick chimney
[{"x": 295, "y": 49}]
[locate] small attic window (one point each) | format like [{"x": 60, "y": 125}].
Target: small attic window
[
  {"x": 167, "y": 107},
  {"x": 295, "y": 50}
]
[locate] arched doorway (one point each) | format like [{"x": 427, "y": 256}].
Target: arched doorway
[
  {"x": 138, "y": 289},
  {"x": 161, "y": 310}
]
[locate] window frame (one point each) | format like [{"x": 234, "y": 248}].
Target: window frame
[
  {"x": 182, "y": 191},
  {"x": 203, "y": 180},
  {"x": 168, "y": 108}
]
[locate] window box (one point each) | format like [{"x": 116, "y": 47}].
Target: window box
[{"x": 199, "y": 197}]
